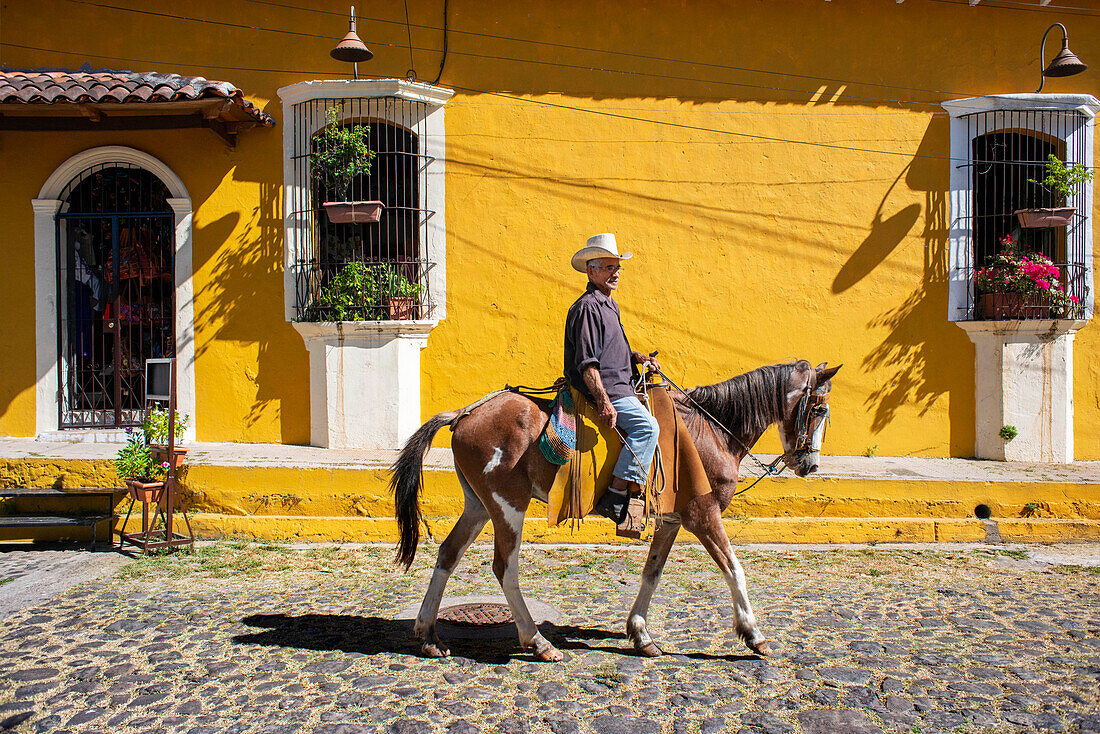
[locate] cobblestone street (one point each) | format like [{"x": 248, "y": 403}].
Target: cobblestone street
[{"x": 247, "y": 637}]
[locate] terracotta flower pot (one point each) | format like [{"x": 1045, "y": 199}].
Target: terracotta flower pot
[
  {"x": 1010, "y": 306},
  {"x": 160, "y": 453},
  {"x": 1052, "y": 217},
  {"x": 145, "y": 491},
  {"x": 401, "y": 308},
  {"x": 355, "y": 212}
]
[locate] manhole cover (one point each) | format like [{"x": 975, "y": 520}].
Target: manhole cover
[{"x": 476, "y": 615}]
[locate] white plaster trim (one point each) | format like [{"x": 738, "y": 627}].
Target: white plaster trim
[
  {"x": 364, "y": 381},
  {"x": 413, "y": 91},
  {"x": 1023, "y": 331},
  {"x": 1084, "y": 103},
  {"x": 46, "y": 206},
  {"x": 338, "y": 332},
  {"x": 1023, "y": 376}
]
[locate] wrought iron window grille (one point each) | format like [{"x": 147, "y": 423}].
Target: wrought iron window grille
[
  {"x": 367, "y": 271},
  {"x": 1008, "y": 153}
]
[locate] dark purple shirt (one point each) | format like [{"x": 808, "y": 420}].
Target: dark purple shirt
[{"x": 594, "y": 336}]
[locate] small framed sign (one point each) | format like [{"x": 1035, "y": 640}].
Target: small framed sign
[{"x": 158, "y": 378}]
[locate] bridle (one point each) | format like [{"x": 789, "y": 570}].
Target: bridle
[{"x": 811, "y": 404}]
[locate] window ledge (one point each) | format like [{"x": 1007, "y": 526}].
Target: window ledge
[
  {"x": 339, "y": 331},
  {"x": 1022, "y": 328}
]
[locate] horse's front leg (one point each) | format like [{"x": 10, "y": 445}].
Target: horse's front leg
[
  {"x": 651, "y": 575},
  {"x": 507, "y": 531},
  {"x": 703, "y": 518}
]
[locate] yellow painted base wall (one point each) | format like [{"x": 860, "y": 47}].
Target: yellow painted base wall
[
  {"x": 345, "y": 505},
  {"x": 778, "y": 168}
]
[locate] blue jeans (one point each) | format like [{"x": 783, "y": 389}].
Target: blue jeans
[{"x": 640, "y": 428}]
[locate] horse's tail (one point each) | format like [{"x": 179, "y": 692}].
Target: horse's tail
[{"x": 406, "y": 477}]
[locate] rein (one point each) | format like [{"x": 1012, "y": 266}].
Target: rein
[{"x": 806, "y": 408}]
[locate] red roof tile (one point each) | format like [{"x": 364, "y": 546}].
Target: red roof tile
[{"x": 98, "y": 87}]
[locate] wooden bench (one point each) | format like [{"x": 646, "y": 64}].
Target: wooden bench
[{"x": 59, "y": 520}]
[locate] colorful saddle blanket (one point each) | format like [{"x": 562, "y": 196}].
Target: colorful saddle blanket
[{"x": 559, "y": 440}]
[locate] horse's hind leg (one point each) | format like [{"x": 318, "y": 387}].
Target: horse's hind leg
[
  {"x": 703, "y": 518},
  {"x": 468, "y": 527},
  {"x": 508, "y": 529},
  {"x": 654, "y": 565}
]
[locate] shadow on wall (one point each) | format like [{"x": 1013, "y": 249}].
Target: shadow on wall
[
  {"x": 924, "y": 354},
  {"x": 244, "y": 290}
]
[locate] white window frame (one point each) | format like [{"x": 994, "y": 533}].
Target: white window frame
[
  {"x": 960, "y": 238},
  {"x": 432, "y": 144}
]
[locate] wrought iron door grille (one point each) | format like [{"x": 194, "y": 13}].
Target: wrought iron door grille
[
  {"x": 386, "y": 260},
  {"x": 1008, "y": 154},
  {"x": 116, "y": 293}
]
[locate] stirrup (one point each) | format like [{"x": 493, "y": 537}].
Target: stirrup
[{"x": 633, "y": 525}]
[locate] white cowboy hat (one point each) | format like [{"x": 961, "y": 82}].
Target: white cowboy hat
[{"x": 600, "y": 245}]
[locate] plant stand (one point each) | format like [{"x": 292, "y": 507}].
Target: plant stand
[{"x": 155, "y": 495}]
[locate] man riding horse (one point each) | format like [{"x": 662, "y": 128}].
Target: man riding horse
[{"x": 599, "y": 363}]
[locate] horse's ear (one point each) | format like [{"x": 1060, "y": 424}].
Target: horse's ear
[
  {"x": 826, "y": 374},
  {"x": 821, "y": 366}
]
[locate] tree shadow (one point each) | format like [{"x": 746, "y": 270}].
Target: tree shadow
[
  {"x": 922, "y": 349},
  {"x": 377, "y": 635}
]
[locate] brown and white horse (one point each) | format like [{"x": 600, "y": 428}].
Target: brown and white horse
[{"x": 500, "y": 469}]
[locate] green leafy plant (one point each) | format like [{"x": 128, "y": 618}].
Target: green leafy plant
[
  {"x": 351, "y": 295},
  {"x": 396, "y": 285},
  {"x": 135, "y": 460},
  {"x": 357, "y": 291},
  {"x": 155, "y": 425},
  {"x": 1062, "y": 179},
  {"x": 340, "y": 153},
  {"x": 871, "y": 451},
  {"x": 1009, "y": 432}
]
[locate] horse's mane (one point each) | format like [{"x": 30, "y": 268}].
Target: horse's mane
[{"x": 746, "y": 404}]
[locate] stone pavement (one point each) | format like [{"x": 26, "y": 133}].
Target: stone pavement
[{"x": 268, "y": 638}]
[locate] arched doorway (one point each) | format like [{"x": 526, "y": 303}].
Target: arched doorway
[{"x": 115, "y": 234}]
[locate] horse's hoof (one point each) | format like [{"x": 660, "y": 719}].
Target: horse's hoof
[
  {"x": 761, "y": 648},
  {"x": 549, "y": 655},
  {"x": 544, "y": 652},
  {"x": 434, "y": 650},
  {"x": 649, "y": 650}
]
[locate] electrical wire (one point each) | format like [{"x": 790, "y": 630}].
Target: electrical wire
[
  {"x": 491, "y": 57},
  {"x": 443, "y": 60},
  {"x": 573, "y": 108},
  {"x": 1024, "y": 7},
  {"x": 725, "y": 67}
]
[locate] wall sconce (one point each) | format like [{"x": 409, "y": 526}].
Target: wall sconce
[
  {"x": 351, "y": 49},
  {"x": 1064, "y": 64}
]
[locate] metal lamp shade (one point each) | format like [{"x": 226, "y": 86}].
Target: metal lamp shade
[
  {"x": 351, "y": 50},
  {"x": 1065, "y": 63}
]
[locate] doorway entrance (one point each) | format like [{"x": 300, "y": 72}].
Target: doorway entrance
[{"x": 116, "y": 293}]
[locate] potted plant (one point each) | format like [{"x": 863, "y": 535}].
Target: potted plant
[
  {"x": 350, "y": 295},
  {"x": 155, "y": 428},
  {"x": 340, "y": 154},
  {"x": 1020, "y": 285},
  {"x": 1061, "y": 180},
  {"x": 135, "y": 465},
  {"x": 402, "y": 297}
]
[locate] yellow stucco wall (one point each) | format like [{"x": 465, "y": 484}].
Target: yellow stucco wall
[{"x": 751, "y": 248}]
